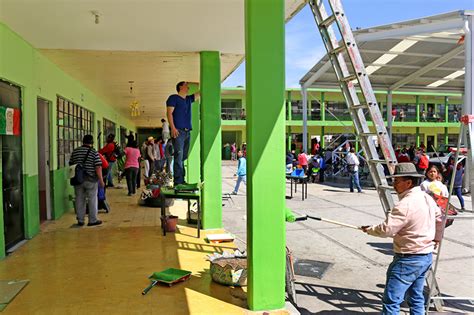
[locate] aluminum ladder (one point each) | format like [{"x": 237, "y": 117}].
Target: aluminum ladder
[
  {"x": 349, "y": 74},
  {"x": 435, "y": 297}
]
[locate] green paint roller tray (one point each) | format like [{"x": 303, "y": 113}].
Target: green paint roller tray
[
  {"x": 186, "y": 188},
  {"x": 169, "y": 276}
]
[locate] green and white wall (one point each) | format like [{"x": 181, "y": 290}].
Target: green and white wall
[{"x": 23, "y": 65}]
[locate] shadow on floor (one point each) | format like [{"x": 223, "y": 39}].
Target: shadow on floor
[
  {"x": 384, "y": 248},
  {"x": 345, "y": 300}
]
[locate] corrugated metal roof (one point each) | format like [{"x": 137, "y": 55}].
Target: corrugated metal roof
[{"x": 433, "y": 37}]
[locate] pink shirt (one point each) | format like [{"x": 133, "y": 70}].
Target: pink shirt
[
  {"x": 302, "y": 160},
  {"x": 414, "y": 223},
  {"x": 132, "y": 154}
]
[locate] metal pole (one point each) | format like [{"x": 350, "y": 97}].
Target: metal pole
[
  {"x": 305, "y": 118},
  {"x": 389, "y": 114},
  {"x": 468, "y": 106}
]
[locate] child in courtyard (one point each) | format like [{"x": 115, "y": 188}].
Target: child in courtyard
[{"x": 241, "y": 172}]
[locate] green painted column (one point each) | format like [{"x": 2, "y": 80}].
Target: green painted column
[
  {"x": 211, "y": 139},
  {"x": 322, "y": 144},
  {"x": 289, "y": 138},
  {"x": 446, "y": 135},
  {"x": 446, "y": 109},
  {"x": 193, "y": 163},
  {"x": 265, "y": 79},
  {"x": 417, "y": 102},
  {"x": 323, "y": 107},
  {"x": 417, "y": 135},
  {"x": 289, "y": 105},
  {"x": 2, "y": 224}
]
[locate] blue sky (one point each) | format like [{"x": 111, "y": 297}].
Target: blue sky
[{"x": 303, "y": 43}]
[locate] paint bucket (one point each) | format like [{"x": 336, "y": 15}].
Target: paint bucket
[{"x": 171, "y": 222}]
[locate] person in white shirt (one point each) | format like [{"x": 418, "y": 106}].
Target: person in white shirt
[
  {"x": 353, "y": 168},
  {"x": 432, "y": 185},
  {"x": 166, "y": 130}
]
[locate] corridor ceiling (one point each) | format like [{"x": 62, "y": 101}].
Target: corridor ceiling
[{"x": 153, "y": 43}]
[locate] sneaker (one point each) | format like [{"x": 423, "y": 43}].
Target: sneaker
[
  {"x": 80, "y": 223},
  {"x": 98, "y": 222},
  {"x": 129, "y": 194},
  {"x": 233, "y": 193}
]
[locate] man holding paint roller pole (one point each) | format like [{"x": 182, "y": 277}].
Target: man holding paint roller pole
[{"x": 415, "y": 223}]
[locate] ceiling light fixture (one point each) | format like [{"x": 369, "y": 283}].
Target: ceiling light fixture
[
  {"x": 96, "y": 15},
  {"x": 134, "y": 105}
]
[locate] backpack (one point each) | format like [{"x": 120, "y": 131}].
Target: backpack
[
  {"x": 78, "y": 172},
  {"x": 424, "y": 162},
  {"x": 118, "y": 152}
]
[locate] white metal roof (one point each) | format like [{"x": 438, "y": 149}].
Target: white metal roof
[{"x": 421, "y": 54}]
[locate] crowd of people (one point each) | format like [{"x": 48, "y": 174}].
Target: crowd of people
[{"x": 93, "y": 170}]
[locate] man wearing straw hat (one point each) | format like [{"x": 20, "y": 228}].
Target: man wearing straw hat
[{"x": 415, "y": 223}]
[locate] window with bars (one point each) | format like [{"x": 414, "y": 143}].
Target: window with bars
[
  {"x": 109, "y": 128},
  {"x": 73, "y": 123}
]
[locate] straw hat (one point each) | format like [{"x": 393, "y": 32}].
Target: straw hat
[
  {"x": 151, "y": 138},
  {"x": 405, "y": 170}
]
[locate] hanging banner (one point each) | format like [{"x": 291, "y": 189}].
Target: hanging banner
[{"x": 10, "y": 119}]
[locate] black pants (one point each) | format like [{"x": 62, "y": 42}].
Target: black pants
[
  {"x": 139, "y": 177},
  {"x": 131, "y": 174}
]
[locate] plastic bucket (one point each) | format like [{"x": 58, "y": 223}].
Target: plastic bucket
[{"x": 171, "y": 222}]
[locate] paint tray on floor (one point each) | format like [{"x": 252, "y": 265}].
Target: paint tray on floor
[
  {"x": 171, "y": 276},
  {"x": 9, "y": 289},
  {"x": 220, "y": 238}
]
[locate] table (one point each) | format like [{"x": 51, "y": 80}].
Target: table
[
  {"x": 304, "y": 185},
  {"x": 171, "y": 193}
]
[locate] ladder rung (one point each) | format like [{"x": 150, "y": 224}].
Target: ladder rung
[
  {"x": 328, "y": 21},
  {"x": 337, "y": 50},
  {"x": 368, "y": 134},
  {"x": 375, "y": 161},
  {"x": 349, "y": 78},
  {"x": 359, "y": 106},
  {"x": 385, "y": 187}
]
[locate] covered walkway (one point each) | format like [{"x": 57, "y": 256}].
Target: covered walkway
[{"x": 102, "y": 270}]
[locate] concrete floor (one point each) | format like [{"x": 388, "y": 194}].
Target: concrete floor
[
  {"x": 103, "y": 269},
  {"x": 354, "y": 282}
]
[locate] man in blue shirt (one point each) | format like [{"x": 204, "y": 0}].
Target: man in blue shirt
[
  {"x": 179, "y": 116},
  {"x": 241, "y": 172}
]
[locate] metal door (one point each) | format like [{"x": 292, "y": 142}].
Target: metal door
[{"x": 12, "y": 170}]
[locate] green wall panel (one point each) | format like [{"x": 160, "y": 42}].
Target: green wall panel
[
  {"x": 61, "y": 192},
  {"x": 23, "y": 65},
  {"x": 2, "y": 227},
  {"x": 31, "y": 205}
]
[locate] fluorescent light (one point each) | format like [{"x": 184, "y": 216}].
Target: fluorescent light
[
  {"x": 386, "y": 58},
  {"x": 403, "y": 45},
  {"x": 455, "y": 74},
  {"x": 437, "y": 83},
  {"x": 447, "y": 78},
  {"x": 371, "y": 69}
]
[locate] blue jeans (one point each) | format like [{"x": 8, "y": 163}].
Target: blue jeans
[
  {"x": 458, "y": 192},
  {"x": 239, "y": 180},
  {"x": 406, "y": 275},
  {"x": 354, "y": 180},
  {"x": 181, "y": 148},
  {"x": 110, "y": 174}
]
